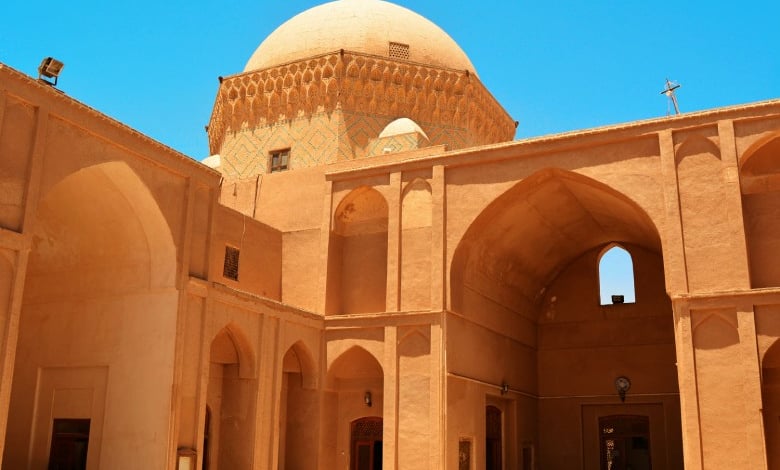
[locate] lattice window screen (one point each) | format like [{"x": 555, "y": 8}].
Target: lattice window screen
[
  {"x": 399, "y": 51},
  {"x": 230, "y": 269}
]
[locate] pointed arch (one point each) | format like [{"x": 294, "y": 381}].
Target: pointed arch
[
  {"x": 760, "y": 172},
  {"x": 99, "y": 209},
  {"x": 616, "y": 275},
  {"x": 702, "y": 192},
  {"x": 696, "y": 145},
  {"x": 244, "y": 354},
  {"x": 354, "y": 363},
  {"x": 299, "y": 357},
  {"x": 231, "y": 386},
  {"x": 763, "y": 157},
  {"x": 363, "y": 210},
  {"x": 99, "y": 290},
  {"x": 500, "y": 257},
  {"x": 715, "y": 331},
  {"x": 416, "y": 205},
  {"x": 416, "y": 246},
  {"x": 770, "y": 365},
  {"x": 298, "y": 405},
  {"x": 414, "y": 350}
]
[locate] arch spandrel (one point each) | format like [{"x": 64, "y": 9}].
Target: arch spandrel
[{"x": 528, "y": 234}]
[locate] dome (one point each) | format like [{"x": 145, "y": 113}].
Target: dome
[
  {"x": 213, "y": 162},
  {"x": 367, "y": 26},
  {"x": 402, "y": 126}
]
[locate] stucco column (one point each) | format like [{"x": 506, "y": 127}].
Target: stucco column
[
  {"x": 754, "y": 426},
  {"x": 437, "y": 374},
  {"x": 322, "y": 284},
  {"x": 175, "y": 438},
  {"x": 671, "y": 231},
  {"x": 438, "y": 233},
  {"x": 677, "y": 283},
  {"x": 9, "y": 329},
  {"x": 393, "y": 242},
  {"x": 200, "y": 317},
  {"x": 390, "y": 397},
  {"x": 268, "y": 389},
  {"x": 686, "y": 377},
  {"x": 20, "y": 244},
  {"x": 733, "y": 203}
]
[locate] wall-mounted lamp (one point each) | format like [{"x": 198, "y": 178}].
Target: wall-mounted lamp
[
  {"x": 622, "y": 385},
  {"x": 367, "y": 399},
  {"x": 50, "y": 68},
  {"x": 185, "y": 458},
  {"x": 504, "y": 388}
]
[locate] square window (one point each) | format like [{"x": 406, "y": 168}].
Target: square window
[{"x": 280, "y": 161}]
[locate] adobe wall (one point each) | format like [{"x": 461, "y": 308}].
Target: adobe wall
[{"x": 97, "y": 234}]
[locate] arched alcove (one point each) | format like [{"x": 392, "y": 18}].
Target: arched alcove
[
  {"x": 229, "y": 397},
  {"x": 357, "y": 269},
  {"x": 299, "y": 410},
  {"x": 524, "y": 286},
  {"x": 704, "y": 215},
  {"x": 354, "y": 390},
  {"x": 760, "y": 169},
  {"x": 716, "y": 343},
  {"x": 416, "y": 248},
  {"x": 414, "y": 398},
  {"x": 99, "y": 295}
]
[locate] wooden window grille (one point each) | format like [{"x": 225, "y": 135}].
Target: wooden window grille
[
  {"x": 230, "y": 268},
  {"x": 280, "y": 160}
]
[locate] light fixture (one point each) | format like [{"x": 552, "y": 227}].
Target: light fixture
[
  {"x": 50, "y": 68},
  {"x": 618, "y": 299},
  {"x": 367, "y": 399},
  {"x": 622, "y": 385},
  {"x": 185, "y": 458},
  {"x": 504, "y": 388}
]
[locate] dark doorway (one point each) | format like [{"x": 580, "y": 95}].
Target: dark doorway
[
  {"x": 206, "y": 431},
  {"x": 366, "y": 444},
  {"x": 69, "y": 442},
  {"x": 493, "y": 438},
  {"x": 625, "y": 442}
]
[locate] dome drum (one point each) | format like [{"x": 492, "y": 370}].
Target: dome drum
[{"x": 354, "y": 82}]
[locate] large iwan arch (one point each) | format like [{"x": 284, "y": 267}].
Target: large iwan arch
[
  {"x": 524, "y": 292},
  {"x": 99, "y": 319}
]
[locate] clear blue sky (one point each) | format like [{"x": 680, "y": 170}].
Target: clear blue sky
[{"x": 555, "y": 66}]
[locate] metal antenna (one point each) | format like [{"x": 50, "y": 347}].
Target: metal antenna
[{"x": 669, "y": 92}]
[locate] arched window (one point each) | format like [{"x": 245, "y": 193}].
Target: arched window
[{"x": 616, "y": 276}]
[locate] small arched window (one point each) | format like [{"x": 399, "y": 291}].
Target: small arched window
[{"x": 616, "y": 276}]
